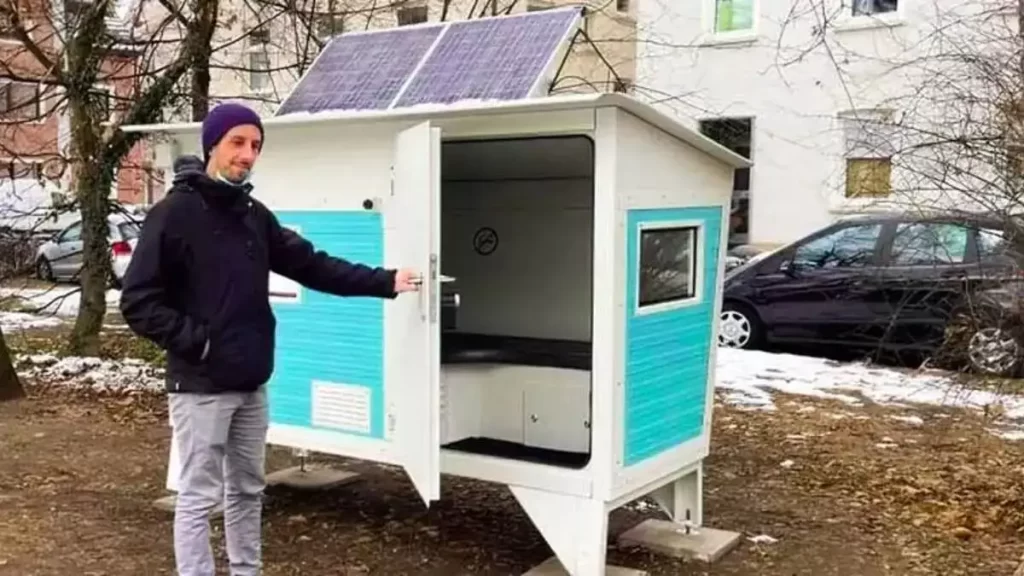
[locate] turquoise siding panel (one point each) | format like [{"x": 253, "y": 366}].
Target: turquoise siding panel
[
  {"x": 666, "y": 377},
  {"x": 326, "y": 337}
]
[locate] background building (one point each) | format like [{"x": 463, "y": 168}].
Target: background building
[{"x": 816, "y": 94}]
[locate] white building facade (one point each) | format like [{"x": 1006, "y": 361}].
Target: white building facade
[{"x": 794, "y": 85}]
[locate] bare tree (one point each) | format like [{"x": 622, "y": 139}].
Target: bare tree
[{"x": 83, "y": 56}]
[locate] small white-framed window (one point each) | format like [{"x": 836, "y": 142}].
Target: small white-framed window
[{"x": 669, "y": 265}]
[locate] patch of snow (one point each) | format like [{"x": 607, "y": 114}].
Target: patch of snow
[
  {"x": 60, "y": 300},
  {"x": 15, "y": 321},
  {"x": 643, "y": 506},
  {"x": 787, "y": 464},
  {"x": 129, "y": 374},
  {"x": 915, "y": 420},
  {"x": 763, "y": 539},
  {"x": 1009, "y": 434},
  {"x": 749, "y": 379}
]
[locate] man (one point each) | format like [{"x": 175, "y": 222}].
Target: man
[{"x": 197, "y": 286}]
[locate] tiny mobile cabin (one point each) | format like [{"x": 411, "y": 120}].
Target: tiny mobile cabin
[{"x": 562, "y": 340}]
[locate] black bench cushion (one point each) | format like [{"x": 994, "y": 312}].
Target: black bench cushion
[{"x": 461, "y": 348}]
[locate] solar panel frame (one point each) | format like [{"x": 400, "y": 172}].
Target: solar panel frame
[
  {"x": 366, "y": 85},
  {"x": 352, "y": 71},
  {"x": 502, "y": 72}
]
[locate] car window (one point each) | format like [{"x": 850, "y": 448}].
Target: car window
[
  {"x": 928, "y": 244},
  {"x": 129, "y": 230},
  {"x": 72, "y": 234},
  {"x": 851, "y": 247}
]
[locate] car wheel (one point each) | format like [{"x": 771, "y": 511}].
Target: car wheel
[
  {"x": 739, "y": 327},
  {"x": 985, "y": 343},
  {"x": 43, "y": 270},
  {"x": 994, "y": 351}
]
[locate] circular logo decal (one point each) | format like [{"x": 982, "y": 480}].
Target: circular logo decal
[{"x": 485, "y": 241}]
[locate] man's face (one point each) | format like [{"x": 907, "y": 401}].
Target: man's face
[{"x": 234, "y": 156}]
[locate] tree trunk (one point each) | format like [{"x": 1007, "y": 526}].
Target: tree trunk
[
  {"x": 200, "y": 90},
  {"x": 206, "y": 22},
  {"x": 10, "y": 384},
  {"x": 93, "y": 179}
]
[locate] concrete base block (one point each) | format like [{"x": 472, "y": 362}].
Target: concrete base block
[
  {"x": 668, "y": 538},
  {"x": 167, "y": 505},
  {"x": 552, "y": 567},
  {"x": 311, "y": 478}
]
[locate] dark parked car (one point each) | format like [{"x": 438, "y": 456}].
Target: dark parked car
[{"x": 945, "y": 287}]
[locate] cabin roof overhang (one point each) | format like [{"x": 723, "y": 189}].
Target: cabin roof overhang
[{"x": 641, "y": 110}]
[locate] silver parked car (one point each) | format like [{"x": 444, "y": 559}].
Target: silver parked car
[{"x": 60, "y": 258}]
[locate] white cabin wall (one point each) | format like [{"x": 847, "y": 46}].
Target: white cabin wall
[
  {"x": 651, "y": 165},
  {"x": 537, "y": 283},
  {"x": 654, "y": 170},
  {"x": 322, "y": 166}
]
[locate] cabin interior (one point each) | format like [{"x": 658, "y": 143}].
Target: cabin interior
[{"x": 517, "y": 220}]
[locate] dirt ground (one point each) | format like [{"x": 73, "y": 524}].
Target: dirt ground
[{"x": 843, "y": 492}]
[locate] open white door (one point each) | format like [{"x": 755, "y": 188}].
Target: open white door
[{"x": 412, "y": 346}]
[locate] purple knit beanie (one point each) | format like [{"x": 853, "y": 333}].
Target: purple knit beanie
[{"x": 221, "y": 120}]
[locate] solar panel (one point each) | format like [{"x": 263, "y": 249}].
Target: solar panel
[
  {"x": 492, "y": 58},
  {"x": 362, "y": 71},
  {"x": 498, "y": 58}
]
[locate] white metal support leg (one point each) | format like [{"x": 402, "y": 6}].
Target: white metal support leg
[
  {"x": 685, "y": 535},
  {"x": 682, "y": 500},
  {"x": 575, "y": 528}
]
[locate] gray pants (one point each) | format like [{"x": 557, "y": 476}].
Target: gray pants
[{"x": 221, "y": 444}]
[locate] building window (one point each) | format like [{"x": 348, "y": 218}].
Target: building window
[
  {"x": 872, "y": 7},
  {"x": 412, "y": 15},
  {"x": 868, "y": 177},
  {"x": 21, "y": 170},
  {"x": 259, "y": 60},
  {"x": 736, "y": 135},
  {"x": 734, "y": 15},
  {"x": 870, "y": 145},
  {"x": 20, "y": 101},
  {"x": 668, "y": 265},
  {"x": 7, "y": 33},
  {"x": 326, "y": 26}
]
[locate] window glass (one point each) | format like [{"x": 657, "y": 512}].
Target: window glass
[
  {"x": 872, "y": 7},
  {"x": 993, "y": 243},
  {"x": 921, "y": 244},
  {"x": 851, "y": 247},
  {"x": 667, "y": 265},
  {"x": 734, "y": 15},
  {"x": 129, "y": 230},
  {"x": 72, "y": 234}
]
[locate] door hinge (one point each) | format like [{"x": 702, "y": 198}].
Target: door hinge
[
  {"x": 391, "y": 184},
  {"x": 433, "y": 282},
  {"x": 391, "y": 423}
]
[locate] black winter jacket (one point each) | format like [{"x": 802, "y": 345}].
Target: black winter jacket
[{"x": 198, "y": 281}]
